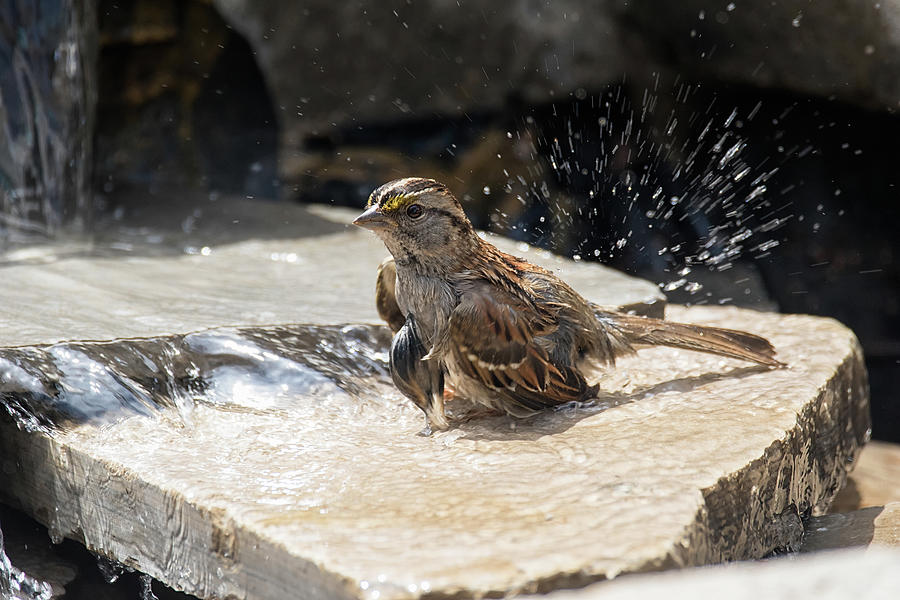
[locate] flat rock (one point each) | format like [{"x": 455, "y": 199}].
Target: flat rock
[
  {"x": 876, "y": 525},
  {"x": 869, "y": 575},
  {"x": 875, "y": 480},
  {"x": 684, "y": 460}
]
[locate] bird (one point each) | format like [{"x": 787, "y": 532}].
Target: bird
[{"x": 502, "y": 333}]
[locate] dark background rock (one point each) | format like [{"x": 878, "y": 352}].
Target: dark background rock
[
  {"x": 848, "y": 50},
  {"x": 332, "y": 65},
  {"x": 182, "y": 101}
]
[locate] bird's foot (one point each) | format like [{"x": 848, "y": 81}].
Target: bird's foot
[{"x": 575, "y": 405}]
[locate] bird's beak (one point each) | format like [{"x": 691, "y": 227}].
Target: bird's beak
[{"x": 372, "y": 219}]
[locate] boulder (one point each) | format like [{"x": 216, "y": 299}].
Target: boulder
[{"x": 229, "y": 262}]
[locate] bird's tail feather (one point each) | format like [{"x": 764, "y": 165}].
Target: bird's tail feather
[{"x": 646, "y": 331}]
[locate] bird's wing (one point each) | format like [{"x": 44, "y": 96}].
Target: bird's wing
[
  {"x": 494, "y": 342},
  {"x": 385, "y": 296},
  {"x": 422, "y": 381}
]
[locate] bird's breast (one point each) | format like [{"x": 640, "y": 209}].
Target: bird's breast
[{"x": 429, "y": 299}]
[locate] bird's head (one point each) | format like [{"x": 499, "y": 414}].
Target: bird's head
[{"x": 419, "y": 221}]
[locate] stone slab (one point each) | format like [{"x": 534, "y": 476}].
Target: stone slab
[
  {"x": 684, "y": 460},
  {"x": 230, "y": 262},
  {"x": 876, "y": 525},
  {"x": 837, "y": 575},
  {"x": 875, "y": 480}
]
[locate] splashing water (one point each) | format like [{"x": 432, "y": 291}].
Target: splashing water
[
  {"x": 654, "y": 165},
  {"x": 17, "y": 585}
]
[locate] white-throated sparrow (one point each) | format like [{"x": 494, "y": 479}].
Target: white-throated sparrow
[{"x": 504, "y": 333}]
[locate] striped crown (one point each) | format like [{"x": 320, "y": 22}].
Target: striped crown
[{"x": 397, "y": 194}]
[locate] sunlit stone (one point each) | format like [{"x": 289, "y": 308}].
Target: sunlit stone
[{"x": 684, "y": 459}]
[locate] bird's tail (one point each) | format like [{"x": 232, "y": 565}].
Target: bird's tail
[{"x": 646, "y": 331}]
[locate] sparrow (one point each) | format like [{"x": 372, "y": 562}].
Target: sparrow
[{"x": 498, "y": 331}]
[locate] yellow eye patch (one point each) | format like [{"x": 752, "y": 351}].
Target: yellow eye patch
[{"x": 391, "y": 203}]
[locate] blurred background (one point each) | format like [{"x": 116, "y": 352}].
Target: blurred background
[{"x": 734, "y": 152}]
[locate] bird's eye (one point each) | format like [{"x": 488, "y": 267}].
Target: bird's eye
[{"x": 414, "y": 211}]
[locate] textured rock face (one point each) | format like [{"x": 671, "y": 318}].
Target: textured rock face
[
  {"x": 789, "y": 45},
  {"x": 257, "y": 492},
  {"x": 382, "y": 62}
]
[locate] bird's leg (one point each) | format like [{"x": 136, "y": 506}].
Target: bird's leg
[
  {"x": 435, "y": 419},
  {"x": 434, "y": 407}
]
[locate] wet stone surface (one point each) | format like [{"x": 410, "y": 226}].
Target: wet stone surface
[
  {"x": 684, "y": 460},
  {"x": 256, "y": 459}
]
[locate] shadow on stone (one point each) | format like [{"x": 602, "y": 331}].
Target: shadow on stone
[
  {"x": 842, "y": 530},
  {"x": 556, "y": 421}
]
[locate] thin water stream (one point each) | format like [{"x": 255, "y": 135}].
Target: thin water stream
[
  {"x": 51, "y": 388},
  {"x": 47, "y": 95}
]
